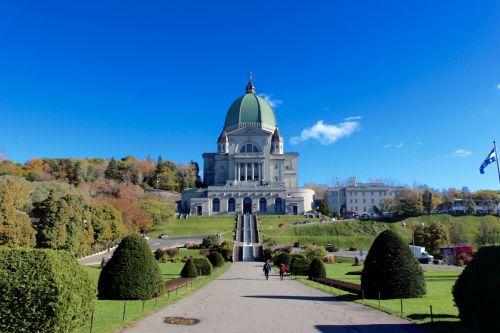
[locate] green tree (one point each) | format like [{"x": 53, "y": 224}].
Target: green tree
[
  {"x": 391, "y": 270},
  {"x": 476, "y": 291},
  {"x": 167, "y": 180},
  {"x": 112, "y": 170},
  {"x": 323, "y": 208},
  {"x": 487, "y": 235},
  {"x": 131, "y": 273},
  {"x": 427, "y": 201},
  {"x": 52, "y": 227},
  {"x": 15, "y": 225}
]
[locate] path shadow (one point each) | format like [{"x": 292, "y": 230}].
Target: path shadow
[
  {"x": 299, "y": 298},
  {"x": 371, "y": 328},
  {"x": 427, "y": 316},
  {"x": 244, "y": 279}
]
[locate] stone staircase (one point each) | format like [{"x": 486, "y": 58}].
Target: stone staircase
[{"x": 247, "y": 246}]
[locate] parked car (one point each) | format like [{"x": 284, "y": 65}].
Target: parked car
[
  {"x": 364, "y": 217},
  {"x": 146, "y": 237},
  {"x": 297, "y": 223},
  {"x": 163, "y": 236},
  {"x": 306, "y": 222}
]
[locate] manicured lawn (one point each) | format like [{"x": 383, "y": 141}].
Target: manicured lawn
[
  {"x": 196, "y": 225},
  {"x": 439, "y": 284},
  {"x": 108, "y": 314}
]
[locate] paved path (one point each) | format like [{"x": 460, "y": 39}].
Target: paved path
[
  {"x": 153, "y": 243},
  {"x": 241, "y": 300}
]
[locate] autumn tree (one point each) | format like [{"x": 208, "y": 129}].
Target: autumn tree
[
  {"x": 15, "y": 225},
  {"x": 432, "y": 237},
  {"x": 135, "y": 219},
  {"x": 409, "y": 203}
]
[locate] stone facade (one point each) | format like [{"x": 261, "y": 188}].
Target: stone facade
[
  {"x": 359, "y": 197},
  {"x": 250, "y": 172}
]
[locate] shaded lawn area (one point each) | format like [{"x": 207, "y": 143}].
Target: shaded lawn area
[
  {"x": 108, "y": 314},
  {"x": 439, "y": 284}
]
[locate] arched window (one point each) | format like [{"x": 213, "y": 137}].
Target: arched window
[
  {"x": 263, "y": 205},
  {"x": 216, "y": 205},
  {"x": 249, "y": 148},
  {"x": 231, "y": 205},
  {"x": 278, "y": 205}
]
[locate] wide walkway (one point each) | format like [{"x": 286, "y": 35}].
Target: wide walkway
[{"x": 241, "y": 300}]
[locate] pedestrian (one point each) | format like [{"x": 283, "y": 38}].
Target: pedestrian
[
  {"x": 282, "y": 271},
  {"x": 356, "y": 261},
  {"x": 267, "y": 269}
]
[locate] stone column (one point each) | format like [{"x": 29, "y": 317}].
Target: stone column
[
  {"x": 246, "y": 171},
  {"x": 236, "y": 172},
  {"x": 253, "y": 171}
]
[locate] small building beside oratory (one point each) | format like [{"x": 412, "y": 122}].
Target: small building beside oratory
[{"x": 250, "y": 172}]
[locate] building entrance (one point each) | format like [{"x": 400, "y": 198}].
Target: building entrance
[{"x": 247, "y": 206}]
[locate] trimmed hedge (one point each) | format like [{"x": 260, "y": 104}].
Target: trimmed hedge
[
  {"x": 300, "y": 266},
  {"x": 203, "y": 265},
  {"x": 317, "y": 269},
  {"x": 189, "y": 269},
  {"x": 391, "y": 269},
  {"x": 283, "y": 258},
  {"x": 216, "y": 259},
  {"x": 131, "y": 273},
  {"x": 477, "y": 291},
  {"x": 43, "y": 290}
]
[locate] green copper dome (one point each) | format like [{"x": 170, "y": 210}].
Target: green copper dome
[{"x": 250, "y": 110}]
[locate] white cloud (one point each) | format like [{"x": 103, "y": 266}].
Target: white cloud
[
  {"x": 419, "y": 143},
  {"x": 462, "y": 153},
  {"x": 387, "y": 145},
  {"x": 498, "y": 86},
  {"x": 274, "y": 102},
  {"x": 353, "y": 118},
  {"x": 326, "y": 134},
  {"x": 399, "y": 145}
]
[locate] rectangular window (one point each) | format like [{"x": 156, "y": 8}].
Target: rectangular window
[
  {"x": 373, "y": 201},
  {"x": 364, "y": 200}
]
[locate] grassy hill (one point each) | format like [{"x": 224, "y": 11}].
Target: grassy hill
[
  {"x": 342, "y": 234},
  {"x": 362, "y": 233}
]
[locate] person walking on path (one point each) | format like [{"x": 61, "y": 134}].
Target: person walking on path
[
  {"x": 266, "y": 269},
  {"x": 282, "y": 271}
]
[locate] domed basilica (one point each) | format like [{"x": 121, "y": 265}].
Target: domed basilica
[{"x": 250, "y": 172}]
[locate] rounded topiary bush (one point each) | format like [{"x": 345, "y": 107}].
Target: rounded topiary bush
[
  {"x": 317, "y": 269},
  {"x": 300, "y": 265},
  {"x": 216, "y": 259},
  {"x": 43, "y": 290},
  {"x": 189, "y": 269},
  {"x": 477, "y": 291},
  {"x": 391, "y": 269},
  {"x": 283, "y": 258},
  {"x": 203, "y": 265},
  {"x": 131, "y": 273}
]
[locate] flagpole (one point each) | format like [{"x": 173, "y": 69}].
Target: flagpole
[{"x": 496, "y": 158}]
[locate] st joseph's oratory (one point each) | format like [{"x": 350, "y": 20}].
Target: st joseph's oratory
[{"x": 250, "y": 173}]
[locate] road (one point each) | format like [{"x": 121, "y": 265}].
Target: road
[
  {"x": 153, "y": 243},
  {"x": 241, "y": 300}
]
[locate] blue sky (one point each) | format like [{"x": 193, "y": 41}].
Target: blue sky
[{"x": 420, "y": 81}]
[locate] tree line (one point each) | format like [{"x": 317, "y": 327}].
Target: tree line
[{"x": 163, "y": 175}]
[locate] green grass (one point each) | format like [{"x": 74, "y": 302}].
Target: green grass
[
  {"x": 108, "y": 313},
  {"x": 361, "y": 234},
  {"x": 439, "y": 284},
  {"x": 196, "y": 225}
]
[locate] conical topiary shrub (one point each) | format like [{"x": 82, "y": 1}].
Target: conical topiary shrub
[
  {"x": 391, "y": 269},
  {"x": 283, "y": 258},
  {"x": 317, "y": 269},
  {"x": 216, "y": 259},
  {"x": 477, "y": 290},
  {"x": 189, "y": 269},
  {"x": 131, "y": 273}
]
